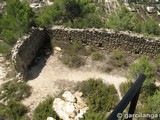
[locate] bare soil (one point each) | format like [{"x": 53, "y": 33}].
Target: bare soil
[{"x": 55, "y": 77}]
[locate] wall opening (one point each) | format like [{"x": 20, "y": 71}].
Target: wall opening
[{"x": 36, "y": 66}]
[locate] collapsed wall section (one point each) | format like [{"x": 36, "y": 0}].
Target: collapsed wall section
[
  {"x": 108, "y": 39},
  {"x": 25, "y": 51}
]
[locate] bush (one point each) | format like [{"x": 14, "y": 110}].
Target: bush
[
  {"x": 142, "y": 65},
  {"x": 97, "y": 56},
  {"x": 124, "y": 87},
  {"x": 73, "y": 61},
  {"x": 15, "y": 91},
  {"x": 13, "y": 110},
  {"x": 72, "y": 54},
  {"x": 118, "y": 59},
  {"x": 100, "y": 98},
  {"x": 45, "y": 110},
  {"x": 18, "y": 20},
  {"x": 153, "y": 103},
  {"x": 118, "y": 54},
  {"x": 89, "y": 21},
  {"x": 120, "y": 20},
  {"x": 4, "y": 48},
  {"x": 70, "y": 13},
  {"x": 151, "y": 27}
]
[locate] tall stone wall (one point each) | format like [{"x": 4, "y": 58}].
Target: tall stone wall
[
  {"x": 108, "y": 39},
  {"x": 25, "y": 51}
]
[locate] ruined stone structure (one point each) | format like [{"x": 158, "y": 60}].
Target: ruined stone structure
[
  {"x": 108, "y": 40},
  {"x": 25, "y": 51}
]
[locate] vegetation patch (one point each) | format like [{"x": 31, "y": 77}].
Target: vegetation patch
[
  {"x": 73, "y": 53},
  {"x": 4, "y": 48},
  {"x": 44, "y": 110},
  {"x": 15, "y": 91},
  {"x": 100, "y": 98},
  {"x": 117, "y": 60},
  {"x": 143, "y": 65},
  {"x": 97, "y": 56},
  {"x": 71, "y": 13},
  {"x": 124, "y": 87},
  {"x": 13, "y": 110}
]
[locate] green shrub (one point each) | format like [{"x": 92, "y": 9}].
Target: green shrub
[
  {"x": 15, "y": 91},
  {"x": 72, "y": 54},
  {"x": 153, "y": 103},
  {"x": 151, "y": 27},
  {"x": 143, "y": 65},
  {"x": 73, "y": 61},
  {"x": 89, "y": 21},
  {"x": 45, "y": 110},
  {"x": 70, "y": 13},
  {"x": 120, "y": 20},
  {"x": 14, "y": 110},
  {"x": 124, "y": 87},
  {"x": 100, "y": 98},
  {"x": 118, "y": 54},
  {"x": 2, "y": 110},
  {"x": 118, "y": 59},
  {"x": 17, "y": 21},
  {"x": 97, "y": 56},
  {"x": 4, "y": 48}
]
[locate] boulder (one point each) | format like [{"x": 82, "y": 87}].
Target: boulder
[
  {"x": 64, "y": 109},
  {"x": 78, "y": 94},
  {"x": 81, "y": 112},
  {"x": 68, "y": 96},
  {"x": 71, "y": 108},
  {"x": 50, "y": 118},
  {"x": 57, "y": 49}
]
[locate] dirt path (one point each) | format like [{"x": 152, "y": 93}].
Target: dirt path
[{"x": 55, "y": 76}]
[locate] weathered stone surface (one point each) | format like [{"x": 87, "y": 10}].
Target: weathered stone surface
[
  {"x": 50, "y": 118},
  {"x": 25, "y": 51},
  {"x": 69, "y": 110},
  {"x": 108, "y": 39},
  {"x": 58, "y": 49},
  {"x": 68, "y": 96},
  {"x": 64, "y": 109}
]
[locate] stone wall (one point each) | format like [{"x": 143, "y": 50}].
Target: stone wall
[
  {"x": 108, "y": 39},
  {"x": 25, "y": 51}
]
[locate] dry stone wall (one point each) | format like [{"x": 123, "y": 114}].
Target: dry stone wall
[
  {"x": 25, "y": 51},
  {"x": 108, "y": 39}
]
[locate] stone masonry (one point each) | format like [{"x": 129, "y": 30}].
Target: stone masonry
[
  {"x": 25, "y": 51},
  {"x": 108, "y": 39}
]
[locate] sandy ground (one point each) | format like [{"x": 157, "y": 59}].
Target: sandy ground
[{"x": 55, "y": 77}]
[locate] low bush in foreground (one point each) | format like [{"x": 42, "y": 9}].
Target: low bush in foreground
[
  {"x": 124, "y": 87},
  {"x": 15, "y": 91},
  {"x": 143, "y": 65},
  {"x": 45, "y": 110},
  {"x": 4, "y": 48},
  {"x": 13, "y": 110},
  {"x": 100, "y": 98}
]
